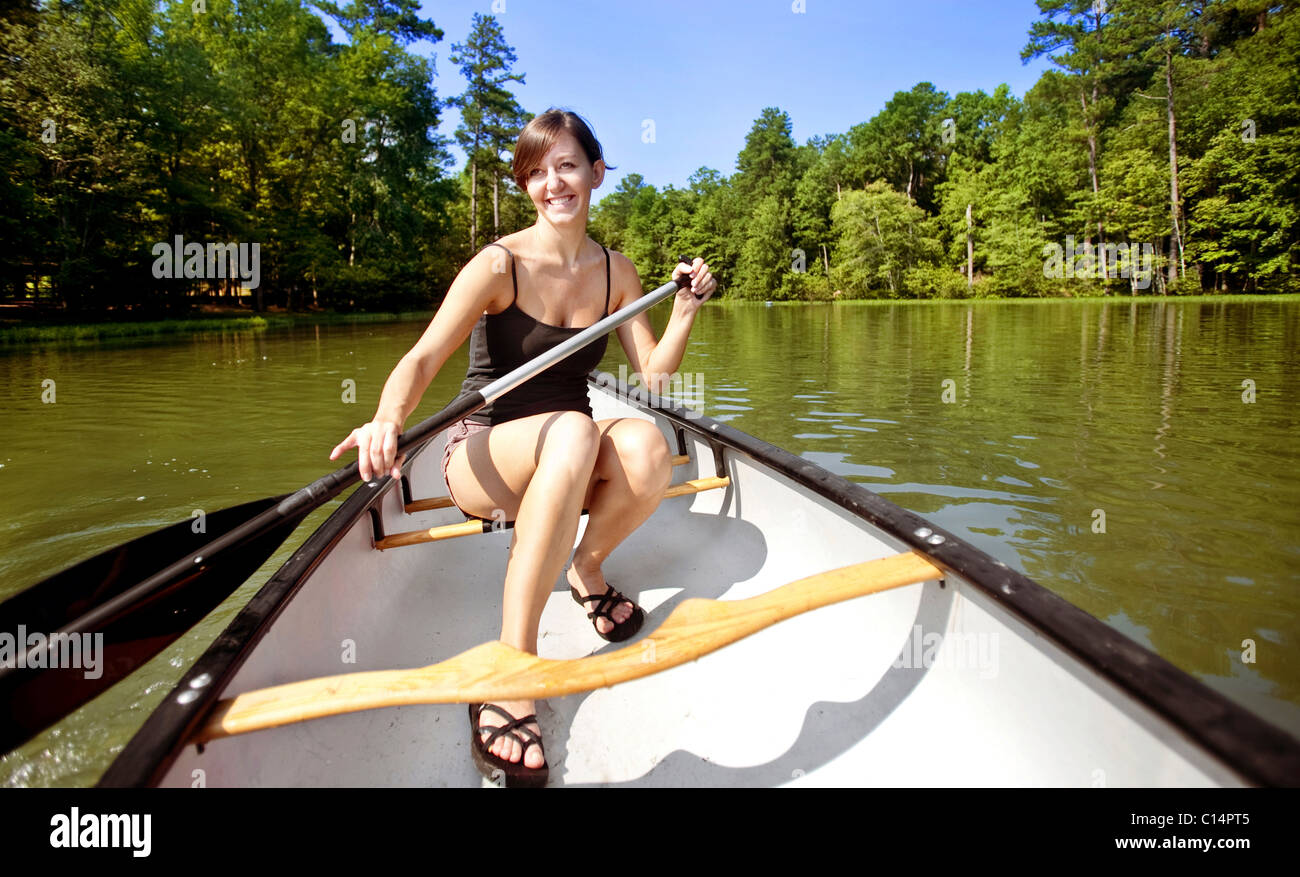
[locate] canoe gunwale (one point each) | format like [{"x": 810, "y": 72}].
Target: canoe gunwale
[{"x": 1256, "y": 750}]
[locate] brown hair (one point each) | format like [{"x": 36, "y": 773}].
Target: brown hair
[{"x": 540, "y": 134}]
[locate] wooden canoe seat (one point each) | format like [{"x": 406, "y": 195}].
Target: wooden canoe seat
[
  {"x": 475, "y": 526},
  {"x": 444, "y": 502}
]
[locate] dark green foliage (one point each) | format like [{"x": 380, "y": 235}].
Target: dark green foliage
[{"x": 124, "y": 123}]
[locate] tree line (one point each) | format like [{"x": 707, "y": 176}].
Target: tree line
[
  {"x": 137, "y": 137},
  {"x": 1160, "y": 154}
]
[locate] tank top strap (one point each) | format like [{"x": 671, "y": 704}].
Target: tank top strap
[
  {"x": 514, "y": 278},
  {"x": 602, "y": 246}
]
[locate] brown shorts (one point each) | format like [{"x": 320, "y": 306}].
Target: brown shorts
[{"x": 457, "y": 433}]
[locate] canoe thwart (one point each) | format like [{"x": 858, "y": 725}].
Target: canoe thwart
[
  {"x": 444, "y": 502},
  {"x": 482, "y": 525},
  {"x": 696, "y": 485},
  {"x": 494, "y": 671}
]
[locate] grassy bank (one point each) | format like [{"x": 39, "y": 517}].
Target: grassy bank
[{"x": 15, "y": 335}]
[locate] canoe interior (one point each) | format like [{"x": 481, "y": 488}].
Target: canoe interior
[{"x": 931, "y": 685}]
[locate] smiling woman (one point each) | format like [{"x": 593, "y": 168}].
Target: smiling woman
[{"x": 535, "y": 455}]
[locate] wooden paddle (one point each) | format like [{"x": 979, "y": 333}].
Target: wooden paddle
[
  {"x": 141, "y": 596},
  {"x": 495, "y": 671}
]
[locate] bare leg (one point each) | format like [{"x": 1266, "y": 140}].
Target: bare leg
[
  {"x": 633, "y": 467},
  {"x": 546, "y": 523},
  {"x": 543, "y": 493}
]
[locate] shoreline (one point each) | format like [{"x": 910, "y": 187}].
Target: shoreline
[{"x": 19, "y": 334}]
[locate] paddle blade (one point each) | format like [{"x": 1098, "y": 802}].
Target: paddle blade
[{"x": 91, "y": 661}]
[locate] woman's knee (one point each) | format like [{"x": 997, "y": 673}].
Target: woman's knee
[
  {"x": 643, "y": 454},
  {"x": 570, "y": 435}
]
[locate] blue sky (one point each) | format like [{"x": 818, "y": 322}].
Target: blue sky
[{"x": 704, "y": 70}]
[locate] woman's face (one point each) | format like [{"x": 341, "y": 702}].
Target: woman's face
[{"x": 561, "y": 185}]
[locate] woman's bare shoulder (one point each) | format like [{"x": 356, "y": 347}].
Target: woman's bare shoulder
[
  {"x": 485, "y": 280},
  {"x": 625, "y": 282},
  {"x": 516, "y": 242},
  {"x": 618, "y": 260}
]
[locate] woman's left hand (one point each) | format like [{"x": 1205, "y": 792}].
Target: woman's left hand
[{"x": 702, "y": 282}]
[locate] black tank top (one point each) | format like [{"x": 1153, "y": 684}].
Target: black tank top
[{"x": 502, "y": 342}]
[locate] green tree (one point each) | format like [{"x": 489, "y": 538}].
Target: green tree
[
  {"x": 1244, "y": 187},
  {"x": 903, "y": 144},
  {"x": 1074, "y": 36},
  {"x": 766, "y": 163},
  {"x": 823, "y": 163},
  {"x": 611, "y": 217},
  {"x": 765, "y": 254},
  {"x": 880, "y": 235},
  {"x": 399, "y": 19},
  {"x": 714, "y": 233},
  {"x": 489, "y": 112}
]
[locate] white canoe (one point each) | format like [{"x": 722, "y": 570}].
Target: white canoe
[{"x": 977, "y": 677}]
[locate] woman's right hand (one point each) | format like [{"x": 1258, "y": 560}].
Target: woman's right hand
[{"x": 376, "y": 444}]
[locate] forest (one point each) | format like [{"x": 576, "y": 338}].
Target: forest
[{"x": 1158, "y": 154}]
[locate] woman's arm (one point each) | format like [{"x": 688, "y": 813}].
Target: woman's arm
[
  {"x": 657, "y": 360},
  {"x": 473, "y": 290},
  {"x": 469, "y": 296}
]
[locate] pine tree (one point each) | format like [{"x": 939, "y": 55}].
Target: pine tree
[
  {"x": 1077, "y": 30},
  {"x": 490, "y": 116}
]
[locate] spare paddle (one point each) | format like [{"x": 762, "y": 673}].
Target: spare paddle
[
  {"x": 70, "y": 637},
  {"x": 35, "y": 697},
  {"x": 494, "y": 671}
]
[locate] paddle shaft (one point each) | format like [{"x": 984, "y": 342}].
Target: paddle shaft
[{"x": 323, "y": 489}]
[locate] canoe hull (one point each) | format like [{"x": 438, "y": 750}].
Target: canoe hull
[{"x": 934, "y": 684}]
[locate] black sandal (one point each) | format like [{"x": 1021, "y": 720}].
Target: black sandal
[
  {"x": 604, "y": 608},
  {"x": 517, "y": 775}
]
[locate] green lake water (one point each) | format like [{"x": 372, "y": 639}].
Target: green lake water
[{"x": 1109, "y": 450}]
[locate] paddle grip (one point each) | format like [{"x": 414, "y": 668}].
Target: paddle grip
[{"x": 685, "y": 280}]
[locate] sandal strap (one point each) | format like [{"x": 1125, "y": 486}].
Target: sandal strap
[
  {"x": 608, "y": 601},
  {"x": 514, "y": 727},
  {"x": 514, "y": 732}
]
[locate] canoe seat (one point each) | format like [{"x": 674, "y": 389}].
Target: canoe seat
[
  {"x": 444, "y": 502},
  {"x": 474, "y": 525}
]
